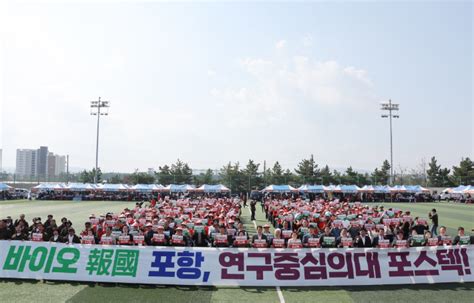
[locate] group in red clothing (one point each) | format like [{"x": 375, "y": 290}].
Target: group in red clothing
[{"x": 205, "y": 222}]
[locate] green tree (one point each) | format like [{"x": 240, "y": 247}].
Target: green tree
[
  {"x": 115, "y": 179},
  {"x": 350, "y": 176},
  {"x": 181, "y": 172},
  {"x": 141, "y": 178},
  {"x": 326, "y": 176},
  {"x": 276, "y": 174},
  {"x": 382, "y": 176},
  {"x": 464, "y": 173},
  {"x": 444, "y": 178},
  {"x": 163, "y": 175},
  {"x": 204, "y": 178},
  {"x": 250, "y": 173},
  {"x": 88, "y": 176},
  {"x": 308, "y": 171},
  {"x": 232, "y": 177},
  {"x": 433, "y": 172},
  {"x": 290, "y": 178}
]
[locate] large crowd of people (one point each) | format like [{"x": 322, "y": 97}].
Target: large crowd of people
[{"x": 216, "y": 222}]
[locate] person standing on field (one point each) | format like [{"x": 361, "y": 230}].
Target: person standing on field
[{"x": 434, "y": 221}]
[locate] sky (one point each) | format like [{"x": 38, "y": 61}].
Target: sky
[{"x": 210, "y": 82}]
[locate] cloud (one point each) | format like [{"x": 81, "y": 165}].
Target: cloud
[
  {"x": 280, "y": 44},
  {"x": 211, "y": 73},
  {"x": 278, "y": 87},
  {"x": 307, "y": 40}
]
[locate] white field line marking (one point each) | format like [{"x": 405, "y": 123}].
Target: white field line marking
[
  {"x": 278, "y": 289},
  {"x": 280, "y": 295}
]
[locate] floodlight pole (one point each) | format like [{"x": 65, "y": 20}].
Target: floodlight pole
[
  {"x": 390, "y": 107},
  {"x": 98, "y": 105}
]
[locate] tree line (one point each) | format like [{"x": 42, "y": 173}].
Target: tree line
[{"x": 244, "y": 178}]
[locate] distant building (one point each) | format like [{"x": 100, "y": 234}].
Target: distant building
[
  {"x": 39, "y": 163},
  {"x": 60, "y": 167},
  {"x": 26, "y": 162},
  {"x": 42, "y": 162},
  {"x": 51, "y": 165},
  {"x": 151, "y": 171},
  {"x": 56, "y": 165}
]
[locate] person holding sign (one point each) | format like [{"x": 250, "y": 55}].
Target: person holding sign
[
  {"x": 259, "y": 240},
  {"x": 399, "y": 241},
  {"x": 382, "y": 240},
  {"x": 327, "y": 240},
  {"x": 240, "y": 240},
  {"x": 277, "y": 241},
  {"x": 294, "y": 242},
  {"x": 416, "y": 240},
  {"x": 222, "y": 239},
  {"x": 89, "y": 238},
  {"x": 344, "y": 239},
  {"x": 38, "y": 235},
  {"x": 429, "y": 240},
  {"x": 179, "y": 239},
  {"x": 443, "y": 237},
  {"x": 311, "y": 239},
  {"x": 125, "y": 238},
  {"x": 107, "y": 238},
  {"x": 200, "y": 238},
  {"x": 461, "y": 238},
  {"x": 159, "y": 238}
]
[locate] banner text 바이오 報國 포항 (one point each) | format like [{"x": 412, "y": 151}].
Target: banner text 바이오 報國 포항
[{"x": 235, "y": 266}]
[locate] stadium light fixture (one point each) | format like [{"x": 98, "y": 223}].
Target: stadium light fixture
[
  {"x": 96, "y": 107},
  {"x": 390, "y": 107}
]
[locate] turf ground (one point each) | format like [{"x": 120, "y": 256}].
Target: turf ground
[{"x": 451, "y": 215}]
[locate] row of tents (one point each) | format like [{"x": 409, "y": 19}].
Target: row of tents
[
  {"x": 347, "y": 189},
  {"x": 462, "y": 189},
  {"x": 219, "y": 188},
  {"x": 143, "y": 188}
]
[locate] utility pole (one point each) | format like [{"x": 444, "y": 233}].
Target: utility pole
[
  {"x": 390, "y": 107},
  {"x": 95, "y": 111},
  {"x": 67, "y": 169},
  {"x": 265, "y": 172}
]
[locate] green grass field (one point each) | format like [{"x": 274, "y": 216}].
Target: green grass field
[{"x": 451, "y": 215}]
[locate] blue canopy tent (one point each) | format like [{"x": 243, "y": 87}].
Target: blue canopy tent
[
  {"x": 460, "y": 189},
  {"x": 179, "y": 188},
  {"x": 311, "y": 189},
  {"x": 279, "y": 189},
  {"x": 367, "y": 189},
  {"x": 144, "y": 188},
  {"x": 114, "y": 187},
  {"x": 80, "y": 187},
  {"x": 5, "y": 187},
  {"x": 156, "y": 187},
  {"x": 415, "y": 189},
  {"x": 42, "y": 187},
  {"x": 381, "y": 189},
  {"x": 349, "y": 189}
]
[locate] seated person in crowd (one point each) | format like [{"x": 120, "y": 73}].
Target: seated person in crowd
[
  {"x": 327, "y": 240},
  {"x": 363, "y": 240}
]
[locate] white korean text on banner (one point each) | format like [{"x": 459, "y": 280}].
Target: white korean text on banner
[{"x": 235, "y": 266}]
